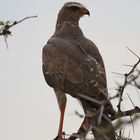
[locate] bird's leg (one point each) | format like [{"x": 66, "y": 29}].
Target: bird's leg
[
  {"x": 62, "y": 100},
  {"x": 84, "y": 127},
  {"x": 62, "y": 112}
]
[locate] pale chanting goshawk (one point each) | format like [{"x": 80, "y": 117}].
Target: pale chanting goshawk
[{"x": 72, "y": 65}]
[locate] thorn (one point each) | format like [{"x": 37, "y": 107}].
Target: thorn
[
  {"x": 5, "y": 39},
  {"x": 78, "y": 114},
  {"x": 131, "y": 100},
  {"x": 133, "y": 52},
  {"x": 118, "y": 73},
  {"x": 128, "y": 65},
  {"x": 132, "y": 124}
]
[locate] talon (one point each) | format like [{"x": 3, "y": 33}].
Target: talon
[{"x": 58, "y": 138}]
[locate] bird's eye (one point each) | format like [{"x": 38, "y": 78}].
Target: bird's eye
[{"x": 73, "y": 8}]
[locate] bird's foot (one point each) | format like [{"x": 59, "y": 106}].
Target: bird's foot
[
  {"x": 74, "y": 136},
  {"x": 56, "y": 138},
  {"x": 60, "y": 137}
]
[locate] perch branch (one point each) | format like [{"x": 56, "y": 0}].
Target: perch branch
[
  {"x": 6, "y": 27},
  {"x": 126, "y": 113},
  {"x": 4, "y": 30}
]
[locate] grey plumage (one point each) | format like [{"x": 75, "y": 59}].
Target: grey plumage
[{"x": 73, "y": 65}]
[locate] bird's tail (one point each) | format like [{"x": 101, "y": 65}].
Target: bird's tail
[
  {"x": 98, "y": 121},
  {"x": 104, "y": 131}
]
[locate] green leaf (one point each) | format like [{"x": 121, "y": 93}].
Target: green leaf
[
  {"x": 2, "y": 22},
  {"x": 8, "y": 22}
]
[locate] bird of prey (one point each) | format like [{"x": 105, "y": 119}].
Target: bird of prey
[{"x": 72, "y": 65}]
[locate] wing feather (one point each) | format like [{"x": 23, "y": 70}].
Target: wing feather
[{"x": 72, "y": 66}]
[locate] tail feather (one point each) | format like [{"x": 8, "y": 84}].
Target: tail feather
[{"x": 103, "y": 130}]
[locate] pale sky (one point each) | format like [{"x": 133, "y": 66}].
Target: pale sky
[{"x": 28, "y": 107}]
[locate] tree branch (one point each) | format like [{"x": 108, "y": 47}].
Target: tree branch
[
  {"x": 126, "y": 80},
  {"x": 5, "y": 28},
  {"x": 126, "y": 113}
]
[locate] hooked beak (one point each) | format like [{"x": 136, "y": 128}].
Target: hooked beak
[{"x": 84, "y": 11}]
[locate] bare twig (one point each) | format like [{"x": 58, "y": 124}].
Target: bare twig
[
  {"x": 6, "y": 27},
  {"x": 126, "y": 80},
  {"x": 126, "y": 65},
  {"x": 92, "y": 99},
  {"x": 132, "y": 124},
  {"x": 120, "y": 92},
  {"x": 126, "y": 113},
  {"x": 78, "y": 114},
  {"x": 118, "y": 73},
  {"x": 114, "y": 97},
  {"x": 133, "y": 52},
  {"x": 130, "y": 100},
  {"x": 137, "y": 85},
  {"x": 5, "y": 39},
  {"x": 5, "y": 30},
  {"x": 17, "y": 22}
]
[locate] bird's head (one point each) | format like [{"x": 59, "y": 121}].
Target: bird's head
[{"x": 72, "y": 11}]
